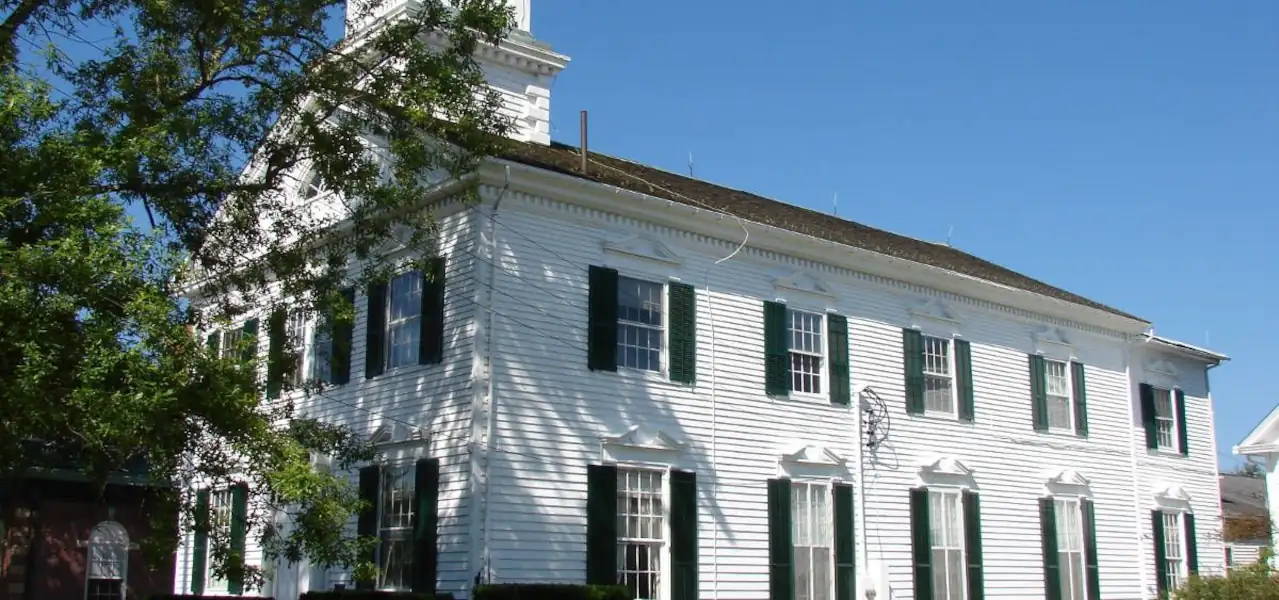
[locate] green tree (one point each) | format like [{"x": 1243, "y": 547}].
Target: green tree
[{"x": 213, "y": 118}]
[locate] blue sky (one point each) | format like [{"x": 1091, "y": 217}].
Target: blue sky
[{"x": 1126, "y": 151}]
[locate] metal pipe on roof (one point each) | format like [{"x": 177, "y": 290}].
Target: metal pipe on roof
[{"x": 583, "y": 152}]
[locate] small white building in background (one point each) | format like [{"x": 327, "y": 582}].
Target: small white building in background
[
  {"x": 1263, "y": 443},
  {"x": 628, "y": 375}
]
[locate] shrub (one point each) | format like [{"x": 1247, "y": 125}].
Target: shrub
[
  {"x": 372, "y": 595},
  {"x": 1255, "y": 582},
  {"x": 194, "y": 597},
  {"x": 550, "y": 591}
]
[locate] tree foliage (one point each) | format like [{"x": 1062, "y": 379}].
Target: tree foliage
[
  {"x": 245, "y": 132},
  {"x": 1253, "y": 582}
]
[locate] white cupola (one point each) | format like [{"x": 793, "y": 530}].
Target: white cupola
[{"x": 520, "y": 68}]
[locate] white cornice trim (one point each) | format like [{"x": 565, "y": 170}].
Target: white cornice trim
[{"x": 806, "y": 250}]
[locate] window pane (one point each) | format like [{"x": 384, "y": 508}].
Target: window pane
[
  {"x": 403, "y": 313},
  {"x": 640, "y": 535},
  {"x": 936, "y": 356},
  {"x": 639, "y": 324},
  {"x": 806, "y": 351},
  {"x": 955, "y": 574},
  {"x": 395, "y": 527},
  {"x": 937, "y": 394}
]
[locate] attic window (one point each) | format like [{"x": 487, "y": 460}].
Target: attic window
[{"x": 311, "y": 187}]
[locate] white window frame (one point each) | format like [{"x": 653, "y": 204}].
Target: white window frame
[
  {"x": 402, "y": 533},
  {"x": 1179, "y": 574},
  {"x": 413, "y": 275},
  {"x": 1174, "y": 445},
  {"x": 1074, "y": 505},
  {"x": 219, "y": 520},
  {"x": 824, "y": 487},
  {"x": 1070, "y": 396},
  {"x": 823, "y": 371},
  {"x": 297, "y": 333},
  {"x": 122, "y": 545},
  {"x": 664, "y": 554},
  {"x": 314, "y": 373},
  {"x": 949, "y": 376},
  {"x": 225, "y": 344},
  {"x": 961, "y": 544},
  {"x": 663, "y": 329}
]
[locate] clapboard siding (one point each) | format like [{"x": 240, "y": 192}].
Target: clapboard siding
[{"x": 552, "y": 411}]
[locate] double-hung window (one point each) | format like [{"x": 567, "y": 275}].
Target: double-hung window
[
  {"x": 321, "y": 361},
  {"x": 807, "y": 351},
  {"x": 108, "y": 562},
  {"x": 1070, "y": 548},
  {"x": 1165, "y": 420},
  {"x": 296, "y": 344},
  {"x": 403, "y": 313},
  {"x": 1057, "y": 394},
  {"x": 220, "y": 522},
  {"x": 1174, "y": 550},
  {"x": 395, "y": 528},
  {"x": 230, "y": 346},
  {"x": 939, "y": 381},
  {"x": 641, "y": 532},
  {"x": 812, "y": 538},
  {"x": 639, "y": 324},
  {"x": 946, "y": 518}
]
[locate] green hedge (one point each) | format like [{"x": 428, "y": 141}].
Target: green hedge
[
  {"x": 1256, "y": 582},
  {"x": 550, "y": 591},
  {"x": 372, "y": 595}
]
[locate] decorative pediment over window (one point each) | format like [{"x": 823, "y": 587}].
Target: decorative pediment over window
[
  {"x": 396, "y": 433},
  {"x": 1051, "y": 335},
  {"x": 1171, "y": 494},
  {"x": 935, "y": 309},
  {"x": 803, "y": 282},
  {"x": 945, "y": 466},
  {"x": 811, "y": 455},
  {"x": 1163, "y": 366},
  {"x": 641, "y": 246},
  {"x": 644, "y": 437},
  {"x": 1067, "y": 477}
]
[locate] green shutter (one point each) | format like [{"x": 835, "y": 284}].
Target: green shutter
[
  {"x": 430, "y": 339},
  {"x": 426, "y": 493},
  {"x": 684, "y": 579},
  {"x": 1090, "y": 549},
  {"x": 964, "y": 379},
  {"x": 1183, "y": 442},
  {"x": 1038, "y": 393},
  {"x": 1080, "y": 391},
  {"x": 845, "y": 543},
  {"x": 776, "y": 350},
  {"x": 601, "y": 524},
  {"x": 837, "y": 335},
  {"x": 921, "y": 544},
  {"x": 972, "y": 545},
  {"x": 366, "y": 525},
  {"x": 250, "y": 341},
  {"x": 1192, "y": 544},
  {"x": 275, "y": 353},
  {"x": 200, "y": 543},
  {"x": 375, "y": 331},
  {"x": 238, "y": 535},
  {"x": 1161, "y": 563},
  {"x": 1048, "y": 539},
  {"x": 343, "y": 334},
  {"x": 913, "y": 353},
  {"x": 781, "y": 576},
  {"x": 1148, "y": 415},
  {"x": 213, "y": 342},
  {"x": 601, "y": 343},
  {"x": 683, "y": 332}
]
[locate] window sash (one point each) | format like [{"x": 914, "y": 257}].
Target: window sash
[
  {"x": 812, "y": 540},
  {"x": 1165, "y": 420},
  {"x": 641, "y": 532},
  {"x": 946, "y": 521},
  {"x": 641, "y": 327},
  {"x": 807, "y": 350},
  {"x": 229, "y": 348},
  {"x": 395, "y": 527},
  {"x": 220, "y": 520},
  {"x": 1174, "y": 548},
  {"x": 1070, "y": 548},
  {"x": 939, "y": 376},
  {"x": 403, "y": 313}
]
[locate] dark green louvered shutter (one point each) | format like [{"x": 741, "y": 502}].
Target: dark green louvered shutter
[
  {"x": 430, "y": 350},
  {"x": 250, "y": 341},
  {"x": 1048, "y": 539},
  {"x": 366, "y": 525},
  {"x": 343, "y": 334},
  {"x": 913, "y": 353},
  {"x": 1038, "y": 393},
  {"x": 921, "y": 544},
  {"x": 375, "y": 331},
  {"x": 238, "y": 535},
  {"x": 1080, "y": 391},
  {"x": 1192, "y": 544},
  {"x": 837, "y": 333},
  {"x": 1161, "y": 559},
  {"x": 200, "y": 543},
  {"x": 426, "y": 493},
  {"x": 1183, "y": 442},
  {"x": 601, "y": 524},
  {"x": 776, "y": 350},
  {"x": 214, "y": 342},
  {"x": 964, "y": 379},
  {"x": 972, "y": 545},
  {"x": 1147, "y": 393},
  {"x": 845, "y": 543},
  {"x": 275, "y": 333},
  {"x": 683, "y": 332},
  {"x": 684, "y": 580},
  {"x": 601, "y": 342},
  {"x": 781, "y": 576},
  {"x": 1091, "y": 564}
]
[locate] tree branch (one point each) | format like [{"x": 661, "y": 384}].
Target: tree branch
[{"x": 9, "y": 29}]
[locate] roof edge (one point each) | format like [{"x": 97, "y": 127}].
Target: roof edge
[{"x": 1190, "y": 349}]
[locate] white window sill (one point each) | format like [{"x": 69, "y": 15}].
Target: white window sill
[
  {"x": 934, "y": 415},
  {"x": 644, "y": 374},
  {"x": 1168, "y": 452},
  {"x": 809, "y": 396},
  {"x": 1060, "y": 432}
]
